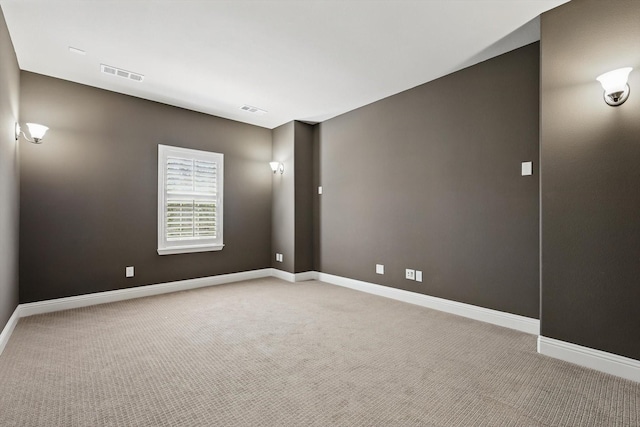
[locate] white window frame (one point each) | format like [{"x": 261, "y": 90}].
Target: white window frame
[{"x": 197, "y": 244}]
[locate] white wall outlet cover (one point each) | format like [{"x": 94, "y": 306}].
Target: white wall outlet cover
[
  {"x": 129, "y": 271},
  {"x": 320, "y": 190},
  {"x": 418, "y": 276},
  {"x": 527, "y": 168},
  {"x": 410, "y": 274},
  {"x": 380, "y": 268}
]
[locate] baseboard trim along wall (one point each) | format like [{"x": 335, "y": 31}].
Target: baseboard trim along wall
[
  {"x": 595, "y": 359},
  {"x": 307, "y": 275},
  {"x": 294, "y": 277},
  {"x": 68, "y": 303},
  {"x": 602, "y": 361},
  {"x": 284, "y": 275},
  {"x": 507, "y": 320},
  {"x": 8, "y": 328}
]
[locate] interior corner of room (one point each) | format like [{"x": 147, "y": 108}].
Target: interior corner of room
[{"x": 509, "y": 186}]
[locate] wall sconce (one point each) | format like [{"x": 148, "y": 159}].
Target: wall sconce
[
  {"x": 614, "y": 83},
  {"x": 277, "y": 167},
  {"x": 37, "y": 132}
]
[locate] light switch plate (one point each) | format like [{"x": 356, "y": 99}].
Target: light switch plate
[
  {"x": 320, "y": 190},
  {"x": 418, "y": 276},
  {"x": 527, "y": 168},
  {"x": 129, "y": 271},
  {"x": 380, "y": 268}
]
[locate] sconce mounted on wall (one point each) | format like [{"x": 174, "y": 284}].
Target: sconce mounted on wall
[
  {"x": 614, "y": 83},
  {"x": 277, "y": 167},
  {"x": 37, "y": 132}
]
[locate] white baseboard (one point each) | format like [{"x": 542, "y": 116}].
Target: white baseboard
[
  {"x": 284, "y": 275},
  {"x": 507, "y": 320},
  {"x": 595, "y": 359},
  {"x": 602, "y": 361},
  {"x": 291, "y": 277},
  {"x": 8, "y": 328},
  {"x": 67, "y": 303},
  {"x": 307, "y": 275}
]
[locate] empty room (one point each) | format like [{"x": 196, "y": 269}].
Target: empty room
[{"x": 318, "y": 213}]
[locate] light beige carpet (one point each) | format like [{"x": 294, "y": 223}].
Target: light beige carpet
[{"x": 271, "y": 353}]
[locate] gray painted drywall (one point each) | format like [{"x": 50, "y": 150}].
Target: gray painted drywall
[
  {"x": 590, "y": 177},
  {"x": 9, "y": 175},
  {"x": 429, "y": 179},
  {"x": 283, "y": 216},
  {"x": 292, "y": 197},
  {"x": 89, "y": 192},
  {"x": 317, "y": 198},
  {"x": 526, "y": 34},
  {"x": 303, "y": 155}
]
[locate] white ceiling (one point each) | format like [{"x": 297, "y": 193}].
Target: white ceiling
[{"x": 306, "y": 60}]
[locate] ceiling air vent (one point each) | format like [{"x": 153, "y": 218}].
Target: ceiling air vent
[
  {"x": 108, "y": 70},
  {"x": 250, "y": 109},
  {"x": 113, "y": 71}
]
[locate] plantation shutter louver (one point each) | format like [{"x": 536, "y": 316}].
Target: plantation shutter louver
[
  {"x": 191, "y": 198},
  {"x": 191, "y": 202}
]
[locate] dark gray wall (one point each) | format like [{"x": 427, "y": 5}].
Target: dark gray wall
[
  {"x": 89, "y": 192},
  {"x": 317, "y": 198},
  {"x": 293, "y": 197},
  {"x": 9, "y": 175},
  {"x": 283, "y": 222},
  {"x": 429, "y": 179},
  {"x": 303, "y": 196},
  {"x": 590, "y": 178}
]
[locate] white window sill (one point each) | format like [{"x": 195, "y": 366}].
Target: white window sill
[{"x": 189, "y": 249}]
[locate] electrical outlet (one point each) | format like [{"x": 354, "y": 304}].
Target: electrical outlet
[
  {"x": 527, "y": 168},
  {"x": 410, "y": 274},
  {"x": 129, "y": 271},
  {"x": 320, "y": 190},
  {"x": 418, "y": 276},
  {"x": 380, "y": 268},
  {"x": 279, "y": 257}
]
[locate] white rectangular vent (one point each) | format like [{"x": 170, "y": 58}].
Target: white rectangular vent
[
  {"x": 113, "y": 71},
  {"x": 251, "y": 109}
]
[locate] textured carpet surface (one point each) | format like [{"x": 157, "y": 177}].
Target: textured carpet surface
[{"x": 271, "y": 353}]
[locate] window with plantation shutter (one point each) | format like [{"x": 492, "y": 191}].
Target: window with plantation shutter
[{"x": 189, "y": 200}]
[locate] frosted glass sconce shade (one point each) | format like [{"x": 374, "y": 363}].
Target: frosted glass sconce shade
[
  {"x": 277, "y": 167},
  {"x": 614, "y": 83},
  {"x": 37, "y": 132}
]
